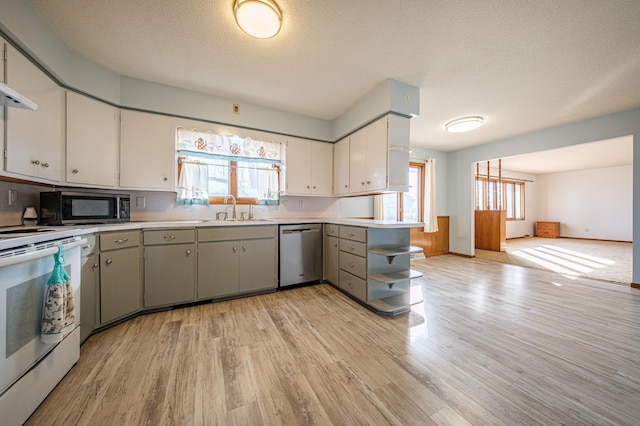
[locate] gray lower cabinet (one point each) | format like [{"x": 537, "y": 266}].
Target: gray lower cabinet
[
  {"x": 88, "y": 291},
  {"x": 169, "y": 267},
  {"x": 120, "y": 275},
  {"x": 236, "y": 260}
]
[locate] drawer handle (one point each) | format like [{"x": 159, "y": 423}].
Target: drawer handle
[
  {"x": 351, "y": 248},
  {"x": 88, "y": 246},
  {"x": 350, "y": 284},
  {"x": 121, "y": 241},
  {"x": 351, "y": 234},
  {"x": 169, "y": 237},
  {"x": 351, "y": 265},
  {"x": 109, "y": 261}
]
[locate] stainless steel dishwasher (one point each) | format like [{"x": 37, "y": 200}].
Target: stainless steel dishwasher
[{"x": 300, "y": 254}]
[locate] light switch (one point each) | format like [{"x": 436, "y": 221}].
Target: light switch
[
  {"x": 141, "y": 202},
  {"x": 13, "y": 197}
]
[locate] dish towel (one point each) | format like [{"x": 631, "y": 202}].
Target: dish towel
[
  {"x": 58, "y": 311},
  {"x": 193, "y": 183}
]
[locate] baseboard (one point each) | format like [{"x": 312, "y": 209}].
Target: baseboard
[{"x": 468, "y": 256}]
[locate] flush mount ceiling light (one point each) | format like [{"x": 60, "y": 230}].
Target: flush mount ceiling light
[
  {"x": 464, "y": 124},
  {"x": 258, "y": 18}
]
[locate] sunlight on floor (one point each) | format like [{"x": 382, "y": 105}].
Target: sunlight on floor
[{"x": 566, "y": 262}]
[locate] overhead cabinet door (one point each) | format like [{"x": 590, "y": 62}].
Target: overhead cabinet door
[
  {"x": 92, "y": 141},
  {"x": 34, "y": 138}
]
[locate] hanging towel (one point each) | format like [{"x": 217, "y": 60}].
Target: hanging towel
[
  {"x": 58, "y": 311},
  {"x": 193, "y": 184}
]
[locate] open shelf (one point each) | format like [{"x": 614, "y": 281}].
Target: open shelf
[
  {"x": 390, "y": 252},
  {"x": 392, "y": 277}
]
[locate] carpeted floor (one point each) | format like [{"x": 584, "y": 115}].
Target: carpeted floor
[{"x": 600, "y": 260}]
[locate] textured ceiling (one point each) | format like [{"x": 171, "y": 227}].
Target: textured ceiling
[{"x": 523, "y": 65}]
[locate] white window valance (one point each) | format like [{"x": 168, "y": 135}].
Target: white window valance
[{"x": 198, "y": 143}]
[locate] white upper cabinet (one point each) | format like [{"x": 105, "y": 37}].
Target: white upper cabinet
[
  {"x": 309, "y": 168},
  {"x": 341, "y": 167},
  {"x": 34, "y": 138},
  {"x": 379, "y": 156},
  {"x": 92, "y": 142},
  {"x": 147, "y": 151}
]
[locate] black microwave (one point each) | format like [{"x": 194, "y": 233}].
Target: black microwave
[{"x": 74, "y": 208}]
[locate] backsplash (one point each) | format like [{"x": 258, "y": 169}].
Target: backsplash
[
  {"x": 161, "y": 206},
  {"x": 25, "y": 196}
]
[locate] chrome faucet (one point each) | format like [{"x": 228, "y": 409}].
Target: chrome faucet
[{"x": 233, "y": 213}]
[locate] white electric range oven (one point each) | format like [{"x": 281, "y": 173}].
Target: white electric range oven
[{"x": 30, "y": 369}]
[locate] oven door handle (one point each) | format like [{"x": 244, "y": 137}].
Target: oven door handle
[{"x": 8, "y": 261}]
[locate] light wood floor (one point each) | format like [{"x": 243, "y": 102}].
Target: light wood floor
[{"x": 491, "y": 344}]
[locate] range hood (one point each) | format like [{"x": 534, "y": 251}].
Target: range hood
[{"x": 11, "y": 98}]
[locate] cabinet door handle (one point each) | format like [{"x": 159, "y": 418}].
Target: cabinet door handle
[
  {"x": 346, "y": 186},
  {"x": 165, "y": 179},
  {"x": 188, "y": 252},
  {"x": 74, "y": 171},
  {"x": 368, "y": 182},
  {"x": 235, "y": 249},
  {"x": 314, "y": 187},
  {"x": 169, "y": 237},
  {"x": 94, "y": 266},
  {"x": 308, "y": 187},
  {"x": 109, "y": 262},
  {"x": 35, "y": 162},
  {"x": 244, "y": 248},
  {"x": 335, "y": 244},
  {"x": 121, "y": 241},
  {"x": 362, "y": 182},
  {"x": 45, "y": 164}
]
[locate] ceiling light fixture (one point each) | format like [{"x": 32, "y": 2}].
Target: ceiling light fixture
[
  {"x": 464, "y": 124},
  {"x": 258, "y": 18}
]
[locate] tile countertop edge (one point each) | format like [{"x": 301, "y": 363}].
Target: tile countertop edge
[{"x": 370, "y": 223}]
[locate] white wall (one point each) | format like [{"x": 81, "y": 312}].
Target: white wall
[{"x": 594, "y": 203}]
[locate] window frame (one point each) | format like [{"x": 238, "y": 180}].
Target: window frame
[
  {"x": 484, "y": 203},
  {"x": 421, "y": 168}
]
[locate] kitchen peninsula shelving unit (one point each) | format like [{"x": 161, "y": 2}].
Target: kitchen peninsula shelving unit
[{"x": 375, "y": 267}]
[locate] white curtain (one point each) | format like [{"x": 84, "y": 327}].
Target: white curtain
[
  {"x": 193, "y": 183},
  {"x": 429, "y": 196}
]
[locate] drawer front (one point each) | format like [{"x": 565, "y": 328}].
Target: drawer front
[
  {"x": 118, "y": 240},
  {"x": 168, "y": 236},
  {"x": 353, "y": 264},
  {"x": 353, "y": 233},
  {"x": 353, "y": 247},
  {"x": 547, "y": 225},
  {"x": 89, "y": 247},
  {"x": 547, "y": 234},
  {"x": 228, "y": 233},
  {"x": 353, "y": 285},
  {"x": 332, "y": 230}
]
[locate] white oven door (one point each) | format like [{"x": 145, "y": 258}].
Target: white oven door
[{"x": 22, "y": 287}]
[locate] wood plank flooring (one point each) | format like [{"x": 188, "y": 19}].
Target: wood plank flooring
[{"x": 490, "y": 344}]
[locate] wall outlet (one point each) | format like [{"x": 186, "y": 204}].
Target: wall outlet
[
  {"x": 141, "y": 202},
  {"x": 301, "y": 204},
  {"x": 13, "y": 197}
]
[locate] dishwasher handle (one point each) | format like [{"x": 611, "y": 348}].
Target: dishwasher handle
[{"x": 298, "y": 231}]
